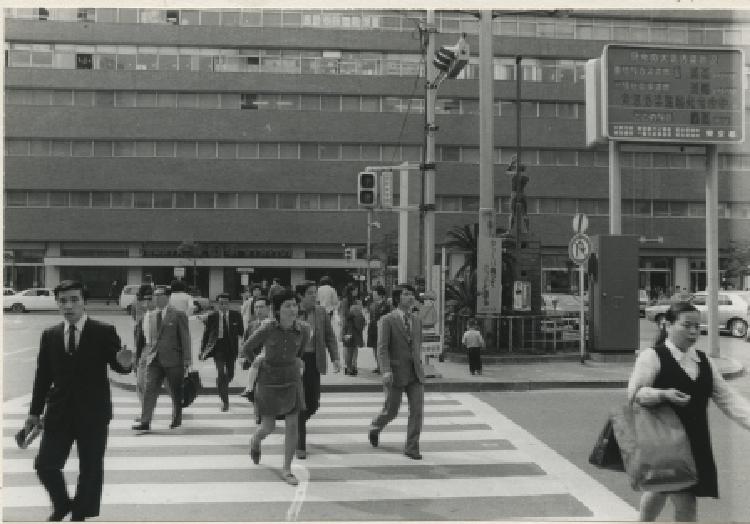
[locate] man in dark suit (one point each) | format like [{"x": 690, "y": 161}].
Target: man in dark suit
[
  {"x": 166, "y": 354},
  {"x": 145, "y": 304},
  {"x": 400, "y": 361},
  {"x": 323, "y": 339},
  {"x": 71, "y": 379},
  {"x": 220, "y": 341}
]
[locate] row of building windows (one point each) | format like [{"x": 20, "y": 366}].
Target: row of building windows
[
  {"x": 632, "y": 29},
  {"x": 283, "y": 102},
  {"x": 256, "y": 60},
  {"x": 209, "y": 150},
  {"x": 339, "y": 202}
]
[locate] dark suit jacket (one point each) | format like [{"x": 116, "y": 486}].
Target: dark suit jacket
[
  {"x": 394, "y": 351},
  {"x": 76, "y": 385},
  {"x": 172, "y": 342},
  {"x": 324, "y": 338},
  {"x": 236, "y": 330}
]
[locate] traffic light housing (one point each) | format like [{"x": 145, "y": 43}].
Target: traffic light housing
[
  {"x": 367, "y": 189},
  {"x": 350, "y": 253},
  {"x": 452, "y": 59}
]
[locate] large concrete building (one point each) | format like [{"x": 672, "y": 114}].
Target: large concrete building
[{"x": 131, "y": 132}]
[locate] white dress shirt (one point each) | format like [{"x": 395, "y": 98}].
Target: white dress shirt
[
  {"x": 182, "y": 302},
  {"x": 328, "y": 298},
  {"x": 79, "y": 328},
  {"x": 647, "y": 367}
]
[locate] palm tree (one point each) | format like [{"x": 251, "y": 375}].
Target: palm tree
[
  {"x": 463, "y": 293},
  {"x": 463, "y": 238}
]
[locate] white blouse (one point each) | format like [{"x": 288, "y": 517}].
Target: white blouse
[{"x": 647, "y": 367}]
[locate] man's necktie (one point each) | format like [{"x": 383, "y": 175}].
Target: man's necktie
[
  {"x": 407, "y": 325},
  {"x": 221, "y": 326},
  {"x": 72, "y": 339},
  {"x": 158, "y": 321}
]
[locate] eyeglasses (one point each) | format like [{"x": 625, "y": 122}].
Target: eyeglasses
[{"x": 691, "y": 325}]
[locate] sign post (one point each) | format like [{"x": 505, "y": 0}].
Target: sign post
[{"x": 579, "y": 250}]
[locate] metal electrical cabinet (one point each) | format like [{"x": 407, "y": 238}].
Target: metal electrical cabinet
[{"x": 613, "y": 295}]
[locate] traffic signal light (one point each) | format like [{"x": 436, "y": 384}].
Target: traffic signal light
[
  {"x": 367, "y": 189},
  {"x": 350, "y": 253},
  {"x": 452, "y": 59}
]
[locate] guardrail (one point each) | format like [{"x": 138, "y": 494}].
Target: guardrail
[{"x": 510, "y": 334}]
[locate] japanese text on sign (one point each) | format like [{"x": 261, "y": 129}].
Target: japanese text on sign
[{"x": 674, "y": 94}]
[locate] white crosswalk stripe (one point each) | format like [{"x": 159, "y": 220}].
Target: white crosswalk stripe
[{"x": 477, "y": 464}]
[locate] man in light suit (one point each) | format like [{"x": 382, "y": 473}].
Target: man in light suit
[
  {"x": 71, "y": 379},
  {"x": 400, "y": 361},
  {"x": 323, "y": 339},
  {"x": 167, "y": 354},
  {"x": 220, "y": 341}
]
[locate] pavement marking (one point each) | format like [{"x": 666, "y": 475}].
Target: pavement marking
[
  {"x": 314, "y": 460},
  {"x": 18, "y": 351},
  {"x": 601, "y": 501},
  {"x": 349, "y": 491},
  {"x": 483, "y": 424}
]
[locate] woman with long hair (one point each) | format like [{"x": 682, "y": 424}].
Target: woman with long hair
[
  {"x": 674, "y": 371},
  {"x": 278, "y": 388}
]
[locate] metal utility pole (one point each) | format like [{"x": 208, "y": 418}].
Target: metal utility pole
[
  {"x": 517, "y": 247},
  {"x": 428, "y": 173},
  {"x": 486, "y": 128},
  {"x": 712, "y": 248}
]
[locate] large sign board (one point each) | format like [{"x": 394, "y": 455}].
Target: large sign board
[{"x": 673, "y": 94}]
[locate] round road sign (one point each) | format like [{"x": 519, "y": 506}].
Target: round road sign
[{"x": 579, "y": 248}]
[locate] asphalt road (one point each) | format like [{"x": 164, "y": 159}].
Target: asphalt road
[{"x": 567, "y": 421}]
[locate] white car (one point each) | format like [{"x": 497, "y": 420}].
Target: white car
[
  {"x": 33, "y": 299},
  {"x": 734, "y": 311}
]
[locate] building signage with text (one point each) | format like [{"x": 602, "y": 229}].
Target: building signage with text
[{"x": 673, "y": 94}]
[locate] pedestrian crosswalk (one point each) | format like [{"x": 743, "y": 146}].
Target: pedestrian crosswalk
[{"x": 478, "y": 465}]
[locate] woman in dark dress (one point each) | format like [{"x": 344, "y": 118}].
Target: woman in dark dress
[
  {"x": 278, "y": 388},
  {"x": 674, "y": 371}
]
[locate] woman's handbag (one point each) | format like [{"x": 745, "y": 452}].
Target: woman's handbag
[
  {"x": 191, "y": 385},
  {"x": 655, "y": 448},
  {"x": 606, "y": 452}
]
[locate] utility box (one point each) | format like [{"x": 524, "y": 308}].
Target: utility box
[{"x": 613, "y": 297}]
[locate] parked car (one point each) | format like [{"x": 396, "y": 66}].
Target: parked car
[
  {"x": 643, "y": 301},
  {"x": 8, "y": 291},
  {"x": 734, "y": 311},
  {"x": 561, "y": 304},
  {"x": 32, "y": 299}
]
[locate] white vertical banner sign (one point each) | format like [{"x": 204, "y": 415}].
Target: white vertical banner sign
[{"x": 489, "y": 265}]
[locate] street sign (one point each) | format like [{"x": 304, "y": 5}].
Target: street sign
[
  {"x": 386, "y": 189},
  {"x": 673, "y": 94},
  {"x": 579, "y": 248},
  {"x": 245, "y": 270},
  {"x": 244, "y": 279},
  {"x": 179, "y": 272},
  {"x": 580, "y": 223}
]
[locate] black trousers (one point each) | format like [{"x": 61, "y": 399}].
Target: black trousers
[
  {"x": 225, "y": 372},
  {"x": 475, "y": 359},
  {"x": 54, "y": 449},
  {"x": 311, "y": 384}
]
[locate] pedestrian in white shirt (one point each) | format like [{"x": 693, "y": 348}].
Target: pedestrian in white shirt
[
  {"x": 179, "y": 299},
  {"x": 674, "y": 371},
  {"x": 327, "y": 296}
]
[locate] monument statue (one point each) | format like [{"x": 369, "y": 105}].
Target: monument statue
[{"x": 518, "y": 207}]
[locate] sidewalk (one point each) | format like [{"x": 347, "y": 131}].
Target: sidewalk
[{"x": 554, "y": 373}]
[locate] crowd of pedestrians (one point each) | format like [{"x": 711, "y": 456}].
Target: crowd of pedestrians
[{"x": 286, "y": 338}]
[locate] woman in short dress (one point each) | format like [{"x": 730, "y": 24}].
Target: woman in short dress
[
  {"x": 674, "y": 371},
  {"x": 278, "y": 389}
]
